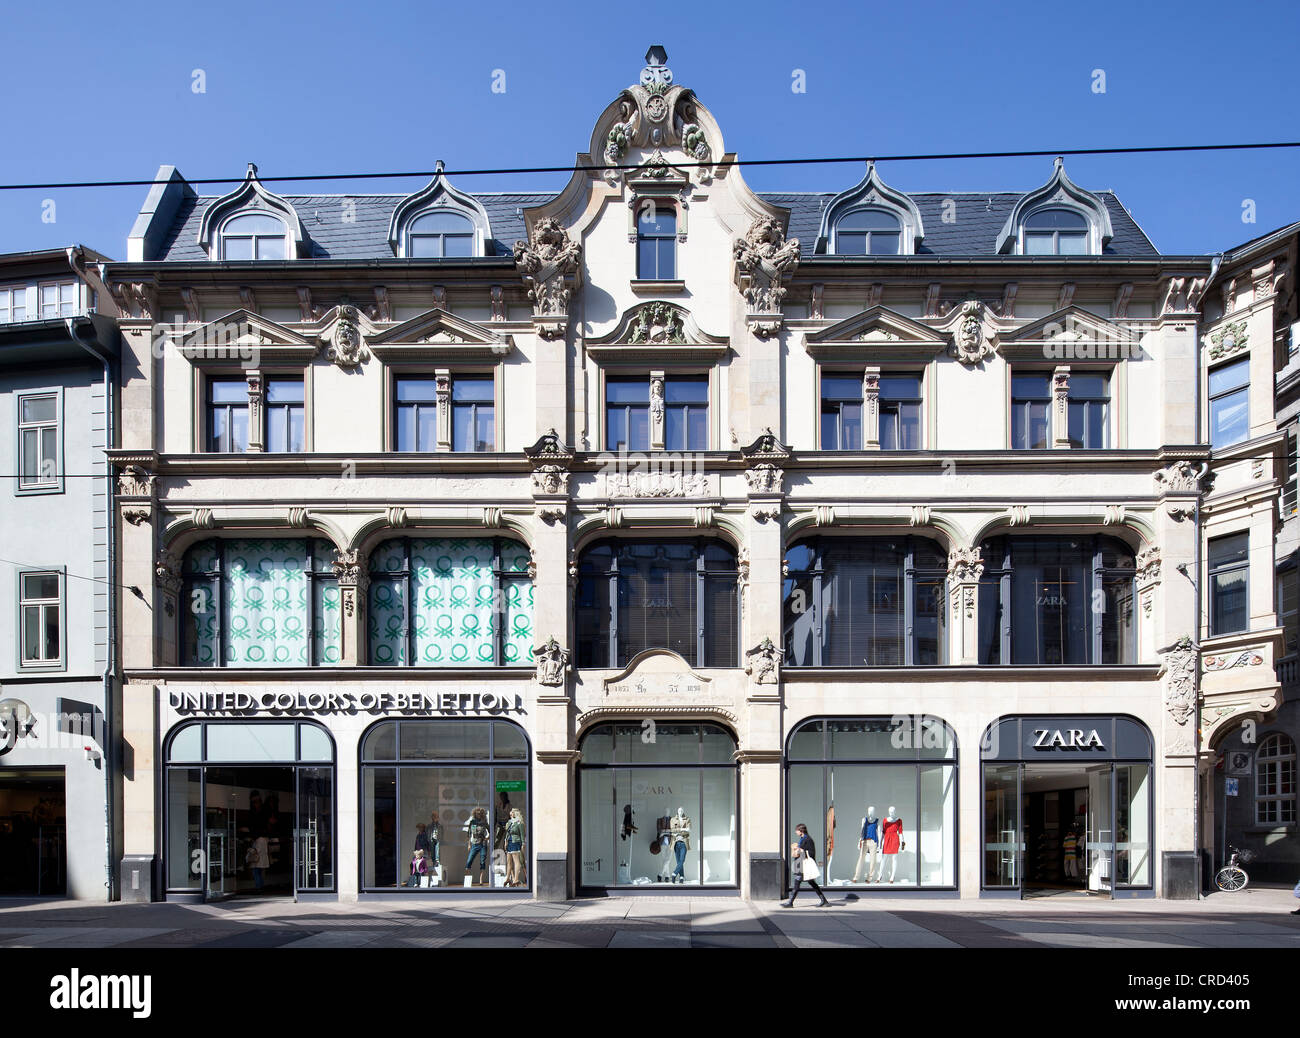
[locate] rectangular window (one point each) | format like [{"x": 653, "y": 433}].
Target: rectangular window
[
  {"x": 473, "y": 424},
  {"x": 1287, "y": 614},
  {"x": 656, "y": 241},
  {"x": 687, "y": 414},
  {"x": 627, "y": 414},
  {"x": 227, "y": 415},
  {"x": 58, "y": 300},
  {"x": 841, "y": 413},
  {"x": 1229, "y": 583},
  {"x": 417, "y": 414},
  {"x": 38, "y": 441},
  {"x": 285, "y": 425},
  {"x": 40, "y": 610},
  {"x": 1031, "y": 399},
  {"x": 1287, "y": 503},
  {"x": 1230, "y": 403},
  {"x": 900, "y": 412},
  {"x": 13, "y": 303},
  {"x": 1089, "y": 411}
]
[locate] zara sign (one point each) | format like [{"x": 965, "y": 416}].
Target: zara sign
[
  {"x": 1067, "y": 739},
  {"x": 1087, "y": 737}
]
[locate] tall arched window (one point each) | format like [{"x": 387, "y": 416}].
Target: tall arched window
[
  {"x": 1275, "y": 791},
  {"x": 247, "y": 236},
  {"x": 440, "y": 235},
  {"x": 638, "y": 595},
  {"x": 868, "y": 232},
  {"x": 1057, "y": 600},
  {"x": 1056, "y": 232},
  {"x": 865, "y": 602},
  {"x": 251, "y": 602}
]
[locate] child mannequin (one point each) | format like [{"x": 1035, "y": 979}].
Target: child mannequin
[{"x": 419, "y": 868}]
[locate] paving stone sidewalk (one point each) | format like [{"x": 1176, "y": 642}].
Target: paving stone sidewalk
[{"x": 1256, "y": 918}]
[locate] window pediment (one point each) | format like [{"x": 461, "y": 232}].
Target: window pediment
[
  {"x": 1062, "y": 194},
  {"x": 875, "y": 332},
  {"x": 658, "y": 331},
  {"x": 242, "y": 334},
  {"x": 1071, "y": 333},
  {"x": 436, "y": 335},
  {"x": 874, "y": 200},
  {"x": 248, "y": 199}
]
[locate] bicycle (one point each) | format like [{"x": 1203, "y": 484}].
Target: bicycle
[{"x": 1232, "y": 876}]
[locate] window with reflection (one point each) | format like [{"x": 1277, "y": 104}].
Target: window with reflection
[
  {"x": 656, "y": 241},
  {"x": 1057, "y": 601},
  {"x": 445, "y": 805},
  {"x": 868, "y": 232},
  {"x": 1031, "y": 400},
  {"x": 842, "y": 412},
  {"x": 879, "y": 798},
  {"x": 864, "y": 602},
  {"x": 1230, "y": 403},
  {"x": 1275, "y": 780},
  {"x": 1229, "y": 582},
  {"x": 1056, "y": 232},
  {"x": 635, "y": 595},
  {"x": 252, "y": 602},
  {"x": 251, "y": 236},
  {"x": 900, "y": 412},
  {"x": 1088, "y": 404},
  {"x": 440, "y": 235}
]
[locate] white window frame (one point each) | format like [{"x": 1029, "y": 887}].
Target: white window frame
[
  {"x": 894, "y": 214},
  {"x": 270, "y": 214},
  {"x": 41, "y": 604},
  {"x": 475, "y": 233},
  {"x": 1091, "y": 236},
  {"x": 8, "y": 294},
  {"x": 40, "y": 486},
  {"x": 1279, "y": 762},
  {"x": 57, "y": 286}
]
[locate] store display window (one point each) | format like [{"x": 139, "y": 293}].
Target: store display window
[{"x": 879, "y": 798}]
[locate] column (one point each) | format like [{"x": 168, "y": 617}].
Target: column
[
  {"x": 658, "y": 425},
  {"x": 871, "y": 409},
  {"x": 965, "y": 567},
  {"x": 1061, "y": 406},
  {"x": 256, "y": 424},
  {"x": 352, "y": 570},
  {"x": 442, "y": 388}
]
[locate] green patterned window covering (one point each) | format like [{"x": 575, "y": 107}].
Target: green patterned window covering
[
  {"x": 450, "y": 602},
  {"x": 262, "y": 603}
]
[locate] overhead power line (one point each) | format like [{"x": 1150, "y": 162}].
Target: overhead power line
[{"x": 923, "y": 157}]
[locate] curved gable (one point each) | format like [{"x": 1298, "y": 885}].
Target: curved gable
[{"x": 250, "y": 197}]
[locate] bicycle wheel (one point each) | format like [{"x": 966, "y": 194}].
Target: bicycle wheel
[{"x": 1230, "y": 878}]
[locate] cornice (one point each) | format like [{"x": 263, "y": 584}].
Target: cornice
[
  {"x": 996, "y": 673},
  {"x": 326, "y": 675}
]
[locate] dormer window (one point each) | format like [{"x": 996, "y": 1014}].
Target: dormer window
[
  {"x": 1056, "y": 232},
  {"x": 254, "y": 236},
  {"x": 440, "y": 234},
  {"x": 868, "y": 232}
]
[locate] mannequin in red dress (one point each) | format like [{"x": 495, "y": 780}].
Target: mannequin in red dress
[{"x": 892, "y": 841}]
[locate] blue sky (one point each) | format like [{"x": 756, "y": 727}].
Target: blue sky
[{"x": 97, "y": 91}]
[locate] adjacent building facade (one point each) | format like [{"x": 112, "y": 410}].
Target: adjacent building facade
[
  {"x": 592, "y": 540},
  {"x": 57, "y": 693}
]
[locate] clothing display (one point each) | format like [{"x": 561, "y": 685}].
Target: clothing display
[
  {"x": 868, "y": 849},
  {"x": 893, "y": 836},
  {"x": 477, "y": 828},
  {"x": 514, "y": 835},
  {"x": 629, "y": 822},
  {"x": 680, "y": 830}
]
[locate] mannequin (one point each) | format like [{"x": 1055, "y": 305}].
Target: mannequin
[
  {"x": 869, "y": 847},
  {"x": 477, "y": 846},
  {"x": 629, "y": 822},
  {"x": 680, "y": 828},
  {"x": 515, "y": 836},
  {"x": 830, "y": 839},
  {"x": 664, "y": 842},
  {"x": 891, "y": 841}
]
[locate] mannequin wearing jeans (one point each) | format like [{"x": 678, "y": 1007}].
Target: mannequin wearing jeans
[
  {"x": 869, "y": 847},
  {"x": 477, "y": 828},
  {"x": 681, "y": 833}
]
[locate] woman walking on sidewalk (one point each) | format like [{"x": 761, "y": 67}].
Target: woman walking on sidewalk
[{"x": 804, "y": 867}]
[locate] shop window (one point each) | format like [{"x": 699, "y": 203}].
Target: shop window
[
  {"x": 1031, "y": 401},
  {"x": 456, "y": 791},
  {"x": 1230, "y": 403},
  {"x": 1275, "y": 780},
  {"x": 864, "y": 602},
  {"x": 249, "y": 808},
  {"x": 638, "y": 595},
  {"x": 657, "y": 811},
  {"x": 879, "y": 798},
  {"x": 40, "y": 442},
  {"x": 261, "y": 603},
  {"x": 450, "y": 602},
  {"x": 1057, "y": 601},
  {"x": 1229, "y": 584},
  {"x": 40, "y": 612}
]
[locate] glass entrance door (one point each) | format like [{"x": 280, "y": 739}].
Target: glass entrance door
[
  {"x": 1101, "y": 830},
  {"x": 1004, "y": 845},
  {"x": 249, "y": 827}
]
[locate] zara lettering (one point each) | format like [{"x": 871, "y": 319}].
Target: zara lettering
[{"x": 1067, "y": 739}]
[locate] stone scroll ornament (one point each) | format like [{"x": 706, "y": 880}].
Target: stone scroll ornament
[
  {"x": 1180, "y": 690},
  {"x": 548, "y": 262},
  {"x": 764, "y": 259},
  {"x": 551, "y": 663}
]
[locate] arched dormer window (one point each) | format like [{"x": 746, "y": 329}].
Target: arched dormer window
[
  {"x": 252, "y": 223},
  {"x": 867, "y": 232},
  {"x": 1055, "y": 232},
  {"x": 1058, "y": 219},
  {"x": 870, "y": 219},
  {"x": 254, "y": 235},
  {"x": 439, "y": 222}
]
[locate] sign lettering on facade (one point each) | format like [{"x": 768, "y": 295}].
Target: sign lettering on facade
[
  {"x": 1067, "y": 739},
  {"x": 332, "y": 702}
]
